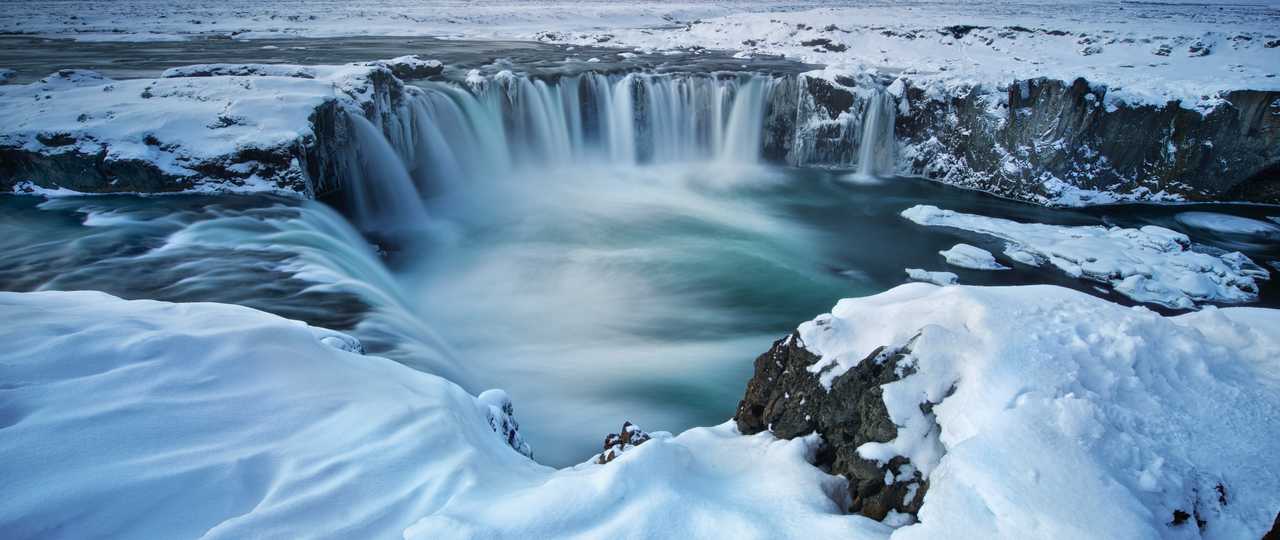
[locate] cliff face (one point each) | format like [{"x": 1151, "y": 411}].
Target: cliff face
[
  {"x": 256, "y": 128},
  {"x": 785, "y": 397},
  {"x": 1049, "y": 141}
]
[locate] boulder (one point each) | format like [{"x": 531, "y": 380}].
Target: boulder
[{"x": 786, "y": 398}]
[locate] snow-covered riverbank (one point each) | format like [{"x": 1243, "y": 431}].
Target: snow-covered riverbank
[{"x": 140, "y": 418}]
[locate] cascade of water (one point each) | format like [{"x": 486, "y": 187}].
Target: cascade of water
[
  {"x": 746, "y": 122},
  {"x": 445, "y": 134},
  {"x": 383, "y": 196},
  {"x": 875, "y": 150}
]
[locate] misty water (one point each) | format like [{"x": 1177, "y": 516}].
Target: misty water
[
  {"x": 604, "y": 245},
  {"x": 593, "y": 295}
]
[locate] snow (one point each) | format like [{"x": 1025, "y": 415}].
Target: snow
[
  {"x": 937, "y": 278},
  {"x": 192, "y": 118},
  {"x": 972, "y": 257},
  {"x": 1229, "y": 224},
  {"x": 1061, "y": 415},
  {"x": 142, "y": 419},
  {"x": 1151, "y": 264},
  {"x": 1144, "y": 53}
]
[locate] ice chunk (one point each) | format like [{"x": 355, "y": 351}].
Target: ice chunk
[{"x": 974, "y": 257}]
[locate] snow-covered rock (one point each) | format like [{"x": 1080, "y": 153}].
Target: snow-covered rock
[
  {"x": 1150, "y": 264},
  {"x": 972, "y": 257},
  {"x": 1042, "y": 412},
  {"x": 411, "y": 67},
  {"x": 208, "y": 127},
  {"x": 936, "y": 278}
]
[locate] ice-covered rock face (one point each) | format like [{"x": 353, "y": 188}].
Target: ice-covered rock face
[{"x": 1151, "y": 264}]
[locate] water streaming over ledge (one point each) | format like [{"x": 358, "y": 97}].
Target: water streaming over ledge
[{"x": 448, "y": 133}]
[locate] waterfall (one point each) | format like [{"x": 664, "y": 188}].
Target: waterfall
[
  {"x": 743, "y": 136},
  {"x": 875, "y": 149},
  {"x": 383, "y": 196},
  {"x": 446, "y": 135}
]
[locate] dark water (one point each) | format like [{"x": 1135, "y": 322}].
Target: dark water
[{"x": 593, "y": 295}]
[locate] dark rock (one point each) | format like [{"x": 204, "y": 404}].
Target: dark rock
[
  {"x": 1274, "y": 533},
  {"x": 825, "y": 44},
  {"x": 959, "y": 30},
  {"x": 1059, "y": 130},
  {"x": 617, "y": 443},
  {"x": 784, "y": 397}
]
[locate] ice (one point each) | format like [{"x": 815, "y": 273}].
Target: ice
[
  {"x": 937, "y": 278},
  {"x": 972, "y": 257},
  {"x": 1151, "y": 264}
]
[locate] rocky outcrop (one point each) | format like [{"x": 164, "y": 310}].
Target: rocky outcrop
[
  {"x": 1050, "y": 141},
  {"x": 216, "y": 127},
  {"x": 615, "y": 444},
  {"x": 1046, "y": 141},
  {"x": 785, "y": 397}
]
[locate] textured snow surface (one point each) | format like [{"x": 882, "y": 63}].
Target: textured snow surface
[
  {"x": 144, "y": 419},
  {"x": 937, "y": 278},
  {"x": 1061, "y": 415},
  {"x": 1150, "y": 264},
  {"x": 192, "y": 117},
  {"x": 1144, "y": 52},
  {"x": 972, "y": 257}
]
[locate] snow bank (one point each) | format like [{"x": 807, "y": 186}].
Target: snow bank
[
  {"x": 143, "y": 419},
  {"x": 972, "y": 257},
  {"x": 1060, "y": 415},
  {"x": 1151, "y": 264}
]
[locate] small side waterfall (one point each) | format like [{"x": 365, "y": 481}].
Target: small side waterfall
[{"x": 875, "y": 148}]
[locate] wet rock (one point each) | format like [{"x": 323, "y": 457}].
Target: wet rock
[
  {"x": 1199, "y": 48},
  {"x": 617, "y": 443},
  {"x": 7, "y": 76},
  {"x": 784, "y": 397}
]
